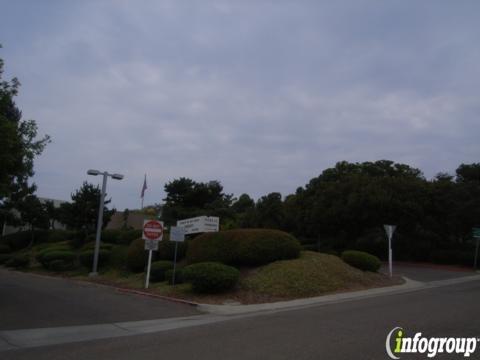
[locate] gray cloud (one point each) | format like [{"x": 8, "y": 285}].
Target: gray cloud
[{"x": 260, "y": 95}]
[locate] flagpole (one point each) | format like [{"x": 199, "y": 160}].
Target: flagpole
[{"x": 144, "y": 187}]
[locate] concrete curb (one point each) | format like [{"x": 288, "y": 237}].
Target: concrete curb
[
  {"x": 409, "y": 286},
  {"x": 162, "y": 297}
]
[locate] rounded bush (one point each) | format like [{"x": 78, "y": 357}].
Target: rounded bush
[
  {"x": 243, "y": 247},
  {"x": 58, "y": 247},
  {"x": 136, "y": 256},
  {"x": 211, "y": 277},
  {"x": 86, "y": 257},
  {"x": 128, "y": 236},
  {"x": 166, "y": 249},
  {"x": 4, "y": 258},
  {"x": 55, "y": 236},
  {"x": 178, "y": 276},
  {"x": 4, "y": 249},
  {"x": 63, "y": 255},
  {"x": 60, "y": 265},
  {"x": 111, "y": 236},
  {"x": 18, "y": 240},
  {"x": 18, "y": 261},
  {"x": 361, "y": 260},
  {"x": 158, "y": 269}
]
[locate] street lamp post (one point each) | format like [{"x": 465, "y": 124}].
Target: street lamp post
[{"x": 100, "y": 214}]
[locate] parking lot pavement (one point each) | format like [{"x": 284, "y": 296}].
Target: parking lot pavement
[
  {"x": 427, "y": 272},
  {"x": 33, "y": 301}
]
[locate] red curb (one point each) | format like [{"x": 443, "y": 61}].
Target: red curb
[{"x": 144, "y": 293}]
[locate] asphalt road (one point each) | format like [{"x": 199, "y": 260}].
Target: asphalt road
[
  {"x": 32, "y": 301},
  {"x": 349, "y": 330}
]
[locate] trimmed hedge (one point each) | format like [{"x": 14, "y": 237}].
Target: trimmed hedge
[
  {"x": 5, "y": 249},
  {"x": 59, "y": 235},
  {"x": 178, "y": 276},
  {"x": 86, "y": 257},
  {"x": 60, "y": 265},
  {"x": 211, "y": 277},
  {"x": 136, "y": 256},
  {"x": 46, "y": 257},
  {"x": 166, "y": 249},
  {"x": 111, "y": 236},
  {"x": 127, "y": 237},
  {"x": 4, "y": 258},
  {"x": 361, "y": 260},
  {"x": 243, "y": 247},
  {"x": 158, "y": 269},
  {"x": 18, "y": 261}
]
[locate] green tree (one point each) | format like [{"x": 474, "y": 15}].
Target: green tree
[
  {"x": 187, "y": 198},
  {"x": 33, "y": 214},
  {"x": 19, "y": 146},
  {"x": 18, "y": 141},
  {"x": 52, "y": 213},
  {"x": 82, "y": 213}
]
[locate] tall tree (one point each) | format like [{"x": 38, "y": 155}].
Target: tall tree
[
  {"x": 19, "y": 146},
  {"x": 82, "y": 212},
  {"x": 33, "y": 214},
  {"x": 187, "y": 198}
]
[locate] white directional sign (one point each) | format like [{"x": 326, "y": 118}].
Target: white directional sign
[
  {"x": 177, "y": 233},
  {"x": 390, "y": 229},
  {"x": 200, "y": 224}
]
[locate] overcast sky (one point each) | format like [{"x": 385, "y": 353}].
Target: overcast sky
[{"x": 260, "y": 95}]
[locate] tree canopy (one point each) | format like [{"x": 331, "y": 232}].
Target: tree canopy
[{"x": 19, "y": 146}]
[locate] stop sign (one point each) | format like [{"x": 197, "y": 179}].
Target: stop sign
[{"x": 152, "y": 230}]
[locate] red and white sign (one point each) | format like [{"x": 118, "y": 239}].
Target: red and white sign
[{"x": 152, "y": 230}]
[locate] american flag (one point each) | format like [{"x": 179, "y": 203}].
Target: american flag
[{"x": 144, "y": 187}]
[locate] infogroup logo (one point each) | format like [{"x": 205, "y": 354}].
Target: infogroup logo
[{"x": 397, "y": 344}]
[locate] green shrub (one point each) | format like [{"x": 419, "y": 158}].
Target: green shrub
[
  {"x": 243, "y": 247},
  {"x": 4, "y": 258},
  {"x": 310, "y": 247},
  {"x": 166, "y": 250},
  {"x": 361, "y": 260},
  {"x": 86, "y": 257},
  {"x": 453, "y": 257},
  {"x": 18, "y": 240},
  {"x": 128, "y": 236},
  {"x": 111, "y": 236},
  {"x": 136, "y": 256},
  {"x": 18, "y": 261},
  {"x": 5, "y": 249},
  {"x": 158, "y": 269},
  {"x": 51, "y": 248},
  {"x": 55, "y": 236},
  {"x": 48, "y": 256},
  {"x": 178, "y": 276},
  {"x": 211, "y": 277},
  {"x": 60, "y": 265},
  {"x": 118, "y": 257},
  {"x": 91, "y": 246}
]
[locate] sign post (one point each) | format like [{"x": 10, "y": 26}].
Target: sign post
[
  {"x": 476, "y": 235},
  {"x": 152, "y": 234},
  {"x": 177, "y": 234},
  {"x": 390, "y": 229}
]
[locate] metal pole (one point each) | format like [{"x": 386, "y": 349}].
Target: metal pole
[
  {"x": 99, "y": 226},
  {"x": 174, "y": 263},
  {"x": 390, "y": 257},
  {"x": 476, "y": 255},
  {"x": 147, "y": 278}
]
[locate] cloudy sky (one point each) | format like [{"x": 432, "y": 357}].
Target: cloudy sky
[{"x": 260, "y": 95}]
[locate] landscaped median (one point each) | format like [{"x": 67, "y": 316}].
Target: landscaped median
[{"x": 245, "y": 266}]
